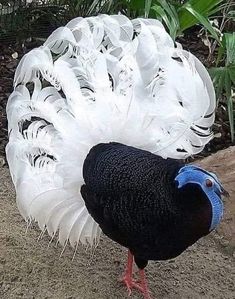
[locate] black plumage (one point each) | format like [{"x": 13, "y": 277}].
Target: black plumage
[{"x": 133, "y": 196}]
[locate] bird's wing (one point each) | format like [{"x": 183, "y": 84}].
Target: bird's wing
[{"x": 99, "y": 79}]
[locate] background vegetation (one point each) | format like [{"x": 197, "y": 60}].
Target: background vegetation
[{"x": 204, "y": 27}]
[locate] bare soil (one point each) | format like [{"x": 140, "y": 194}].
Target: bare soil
[{"x": 30, "y": 269}]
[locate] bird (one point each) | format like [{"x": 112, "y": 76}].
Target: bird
[{"x": 101, "y": 120}]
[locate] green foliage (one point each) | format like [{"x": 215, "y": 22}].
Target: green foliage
[
  {"x": 84, "y": 8},
  {"x": 194, "y": 11},
  {"x": 180, "y": 16},
  {"x": 168, "y": 14},
  {"x": 176, "y": 15},
  {"x": 223, "y": 75},
  {"x": 133, "y": 8}
]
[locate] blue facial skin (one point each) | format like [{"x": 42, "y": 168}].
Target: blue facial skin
[{"x": 196, "y": 175}]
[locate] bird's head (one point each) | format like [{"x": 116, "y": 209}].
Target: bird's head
[{"x": 209, "y": 184}]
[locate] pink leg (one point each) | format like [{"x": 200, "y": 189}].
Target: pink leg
[
  {"x": 127, "y": 279},
  {"x": 144, "y": 284}
]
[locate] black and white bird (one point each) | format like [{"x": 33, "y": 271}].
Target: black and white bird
[{"x": 100, "y": 118}]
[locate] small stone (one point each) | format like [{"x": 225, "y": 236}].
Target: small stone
[
  {"x": 2, "y": 162},
  {"x": 14, "y": 55}
]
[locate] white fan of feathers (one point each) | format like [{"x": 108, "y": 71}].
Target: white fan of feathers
[{"x": 99, "y": 79}]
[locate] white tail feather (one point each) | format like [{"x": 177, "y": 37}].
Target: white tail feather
[{"x": 99, "y": 79}]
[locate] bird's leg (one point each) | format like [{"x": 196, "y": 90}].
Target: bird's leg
[
  {"x": 130, "y": 283},
  {"x": 143, "y": 284},
  {"x": 127, "y": 277}
]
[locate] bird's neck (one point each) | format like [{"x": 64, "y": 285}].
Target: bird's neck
[{"x": 196, "y": 208}]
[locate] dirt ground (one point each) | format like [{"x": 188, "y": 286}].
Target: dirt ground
[{"x": 30, "y": 269}]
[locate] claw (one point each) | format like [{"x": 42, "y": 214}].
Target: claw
[{"x": 130, "y": 283}]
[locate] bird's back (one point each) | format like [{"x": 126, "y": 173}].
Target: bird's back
[
  {"x": 132, "y": 194},
  {"x": 111, "y": 167}
]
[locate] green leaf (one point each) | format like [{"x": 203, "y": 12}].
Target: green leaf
[
  {"x": 161, "y": 14},
  {"x": 231, "y": 116},
  {"x": 204, "y": 8},
  {"x": 218, "y": 78},
  {"x": 92, "y": 7},
  {"x": 231, "y": 70},
  {"x": 137, "y": 4},
  {"x": 222, "y": 5},
  {"x": 224, "y": 80},
  {"x": 220, "y": 55},
  {"x": 201, "y": 19},
  {"x": 229, "y": 40},
  {"x": 147, "y": 8},
  {"x": 168, "y": 14}
]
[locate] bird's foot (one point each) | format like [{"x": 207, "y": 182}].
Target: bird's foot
[
  {"x": 131, "y": 283},
  {"x": 135, "y": 284}
]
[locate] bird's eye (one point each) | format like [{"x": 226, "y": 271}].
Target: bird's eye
[{"x": 209, "y": 183}]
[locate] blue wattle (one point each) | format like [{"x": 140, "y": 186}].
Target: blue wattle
[{"x": 196, "y": 175}]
